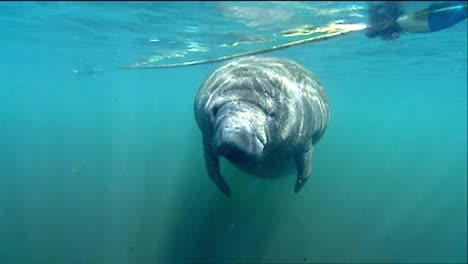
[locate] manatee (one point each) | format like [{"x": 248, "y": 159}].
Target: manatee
[{"x": 262, "y": 114}]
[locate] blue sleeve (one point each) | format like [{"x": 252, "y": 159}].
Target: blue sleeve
[{"x": 443, "y": 15}]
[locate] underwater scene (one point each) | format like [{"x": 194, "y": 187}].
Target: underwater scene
[{"x": 129, "y": 132}]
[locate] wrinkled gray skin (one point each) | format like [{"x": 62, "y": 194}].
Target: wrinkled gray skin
[{"x": 261, "y": 113}]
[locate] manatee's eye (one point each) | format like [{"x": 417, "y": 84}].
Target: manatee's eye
[
  {"x": 271, "y": 116},
  {"x": 215, "y": 110}
]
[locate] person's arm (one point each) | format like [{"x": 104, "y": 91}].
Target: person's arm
[
  {"x": 387, "y": 20},
  {"x": 436, "y": 17}
]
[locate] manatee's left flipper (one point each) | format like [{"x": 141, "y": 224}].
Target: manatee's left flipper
[
  {"x": 212, "y": 165},
  {"x": 304, "y": 166}
]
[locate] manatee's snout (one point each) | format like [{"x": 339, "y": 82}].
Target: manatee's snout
[{"x": 237, "y": 142}]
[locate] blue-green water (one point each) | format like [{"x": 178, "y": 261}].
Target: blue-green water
[{"x": 108, "y": 168}]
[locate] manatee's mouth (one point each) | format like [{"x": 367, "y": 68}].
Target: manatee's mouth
[{"x": 240, "y": 151}]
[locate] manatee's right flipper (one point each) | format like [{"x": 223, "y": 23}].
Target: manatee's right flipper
[
  {"x": 214, "y": 171},
  {"x": 304, "y": 166}
]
